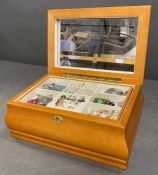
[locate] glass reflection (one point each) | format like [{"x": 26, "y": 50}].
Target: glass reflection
[{"x": 107, "y": 44}]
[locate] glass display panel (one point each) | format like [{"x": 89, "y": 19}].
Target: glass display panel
[
  {"x": 97, "y": 99},
  {"x": 97, "y": 44}
]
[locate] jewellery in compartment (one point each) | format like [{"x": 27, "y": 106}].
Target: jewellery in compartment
[
  {"x": 41, "y": 100},
  {"x": 81, "y": 99},
  {"x": 104, "y": 113},
  {"x": 116, "y": 91},
  {"x": 70, "y": 100},
  {"x": 60, "y": 101},
  {"x": 53, "y": 86},
  {"x": 33, "y": 101},
  {"x": 72, "y": 97},
  {"x": 103, "y": 101}
]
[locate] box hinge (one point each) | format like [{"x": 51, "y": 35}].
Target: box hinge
[{"x": 94, "y": 78}]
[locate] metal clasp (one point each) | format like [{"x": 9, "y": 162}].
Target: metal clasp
[{"x": 58, "y": 119}]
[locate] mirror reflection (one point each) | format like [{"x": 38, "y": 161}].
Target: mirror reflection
[{"x": 106, "y": 44}]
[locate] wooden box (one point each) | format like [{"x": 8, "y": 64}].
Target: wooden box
[{"x": 89, "y": 103}]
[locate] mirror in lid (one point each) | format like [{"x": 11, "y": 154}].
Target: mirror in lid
[{"x": 103, "y": 44}]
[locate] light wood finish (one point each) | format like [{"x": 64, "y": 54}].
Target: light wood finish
[
  {"x": 143, "y": 14},
  {"x": 104, "y": 140}
]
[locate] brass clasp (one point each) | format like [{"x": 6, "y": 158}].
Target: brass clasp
[{"x": 58, "y": 119}]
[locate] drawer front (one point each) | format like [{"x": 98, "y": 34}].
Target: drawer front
[{"x": 71, "y": 131}]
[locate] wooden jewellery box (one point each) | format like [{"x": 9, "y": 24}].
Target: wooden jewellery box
[{"x": 89, "y": 103}]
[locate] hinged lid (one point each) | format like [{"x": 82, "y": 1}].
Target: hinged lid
[{"x": 106, "y": 42}]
